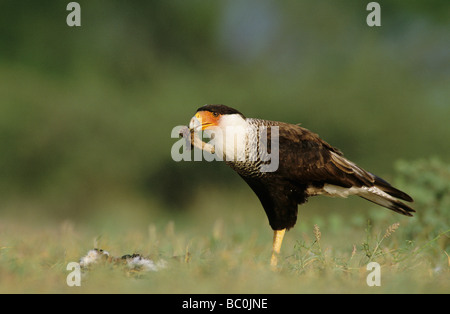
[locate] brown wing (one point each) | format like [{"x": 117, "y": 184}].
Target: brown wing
[{"x": 306, "y": 159}]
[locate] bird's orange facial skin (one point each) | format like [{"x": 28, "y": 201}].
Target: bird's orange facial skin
[{"x": 207, "y": 119}]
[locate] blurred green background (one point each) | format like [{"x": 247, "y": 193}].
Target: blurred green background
[{"x": 86, "y": 112}]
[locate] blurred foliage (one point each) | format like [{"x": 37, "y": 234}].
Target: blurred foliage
[
  {"x": 429, "y": 182},
  {"x": 86, "y": 113}
]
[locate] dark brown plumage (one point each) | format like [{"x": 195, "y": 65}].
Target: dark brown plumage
[{"x": 307, "y": 161}]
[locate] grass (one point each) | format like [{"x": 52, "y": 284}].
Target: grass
[{"x": 212, "y": 250}]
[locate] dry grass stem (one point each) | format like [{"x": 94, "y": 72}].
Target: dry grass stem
[
  {"x": 390, "y": 230},
  {"x": 317, "y": 233}
]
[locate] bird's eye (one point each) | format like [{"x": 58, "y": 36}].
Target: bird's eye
[{"x": 215, "y": 114}]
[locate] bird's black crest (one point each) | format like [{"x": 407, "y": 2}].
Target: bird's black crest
[{"x": 220, "y": 109}]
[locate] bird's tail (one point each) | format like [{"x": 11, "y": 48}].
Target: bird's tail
[{"x": 383, "y": 194}]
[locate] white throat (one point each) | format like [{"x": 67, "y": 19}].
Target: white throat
[{"x": 229, "y": 138}]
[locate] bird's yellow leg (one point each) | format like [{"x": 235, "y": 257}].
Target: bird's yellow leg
[{"x": 277, "y": 240}]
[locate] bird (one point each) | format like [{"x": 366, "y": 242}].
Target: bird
[{"x": 304, "y": 166}]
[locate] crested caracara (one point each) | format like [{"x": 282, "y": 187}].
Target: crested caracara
[{"x": 303, "y": 165}]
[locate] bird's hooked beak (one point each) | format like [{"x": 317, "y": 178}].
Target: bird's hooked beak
[{"x": 203, "y": 120}]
